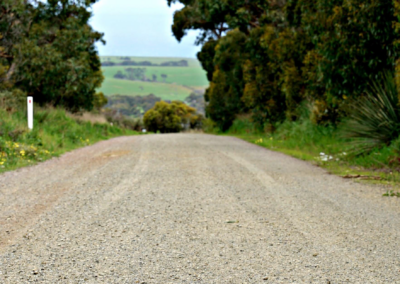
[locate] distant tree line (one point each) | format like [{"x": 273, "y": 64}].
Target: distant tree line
[
  {"x": 128, "y": 62},
  {"x": 134, "y": 106},
  {"x": 269, "y": 57},
  {"x": 47, "y": 50},
  {"x": 137, "y": 74}
]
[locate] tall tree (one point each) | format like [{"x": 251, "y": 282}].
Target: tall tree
[
  {"x": 52, "y": 54},
  {"x": 322, "y": 51}
]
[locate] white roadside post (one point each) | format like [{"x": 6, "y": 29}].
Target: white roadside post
[{"x": 30, "y": 112}]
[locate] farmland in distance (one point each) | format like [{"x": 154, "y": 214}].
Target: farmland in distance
[{"x": 178, "y": 84}]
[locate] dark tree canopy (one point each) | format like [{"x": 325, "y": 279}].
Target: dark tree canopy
[
  {"x": 48, "y": 51},
  {"x": 267, "y": 57}
]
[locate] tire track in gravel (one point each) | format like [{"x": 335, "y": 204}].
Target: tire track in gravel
[
  {"x": 27, "y": 193},
  {"x": 192, "y": 209},
  {"x": 314, "y": 226}
]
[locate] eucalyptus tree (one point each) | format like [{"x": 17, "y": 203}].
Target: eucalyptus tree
[
  {"x": 268, "y": 56},
  {"x": 48, "y": 51}
]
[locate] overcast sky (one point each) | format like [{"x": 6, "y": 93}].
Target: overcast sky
[{"x": 140, "y": 28}]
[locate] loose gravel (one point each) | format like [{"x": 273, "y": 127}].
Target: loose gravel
[{"x": 191, "y": 208}]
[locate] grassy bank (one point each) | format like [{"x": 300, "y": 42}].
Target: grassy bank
[
  {"x": 55, "y": 132},
  {"x": 323, "y": 146}
]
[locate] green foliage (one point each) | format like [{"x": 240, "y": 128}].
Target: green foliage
[
  {"x": 99, "y": 100},
  {"x": 203, "y": 15},
  {"x": 391, "y": 193},
  {"x": 165, "y": 91},
  {"x": 179, "y": 83},
  {"x": 171, "y": 117},
  {"x": 49, "y": 51},
  {"x": 12, "y": 100},
  {"x": 206, "y": 57},
  {"x": 209, "y": 126},
  {"x": 54, "y": 132},
  {"x": 374, "y": 120},
  {"x": 322, "y": 51},
  {"x": 137, "y": 106},
  {"x": 132, "y": 106},
  {"x": 356, "y": 40},
  {"x": 226, "y": 88},
  {"x": 323, "y": 146}
]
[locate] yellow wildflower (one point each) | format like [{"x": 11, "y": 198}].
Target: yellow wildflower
[{"x": 22, "y": 152}]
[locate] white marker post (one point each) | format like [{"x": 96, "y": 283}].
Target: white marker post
[{"x": 30, "y": 112}]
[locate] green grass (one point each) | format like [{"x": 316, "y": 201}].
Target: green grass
[
  {"x": 136, "y": 88},
  {"x": 186, "y": 76},
  {"x": 306, "y": 141},
  {"x": 180, "y": 81},
  {"x": 54, "y": 133}
]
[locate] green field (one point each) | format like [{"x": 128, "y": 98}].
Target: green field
[
  {"x": 180, "y": 81},
  {"x": 113, "y": 86}
]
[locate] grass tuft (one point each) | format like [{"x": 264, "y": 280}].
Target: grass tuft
[{"x": 375, "y": 120}]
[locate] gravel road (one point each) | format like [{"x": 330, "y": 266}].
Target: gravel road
[{"x": 192, "y": 208}]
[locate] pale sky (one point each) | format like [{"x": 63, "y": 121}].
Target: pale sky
[{"x": 140, "y": 28}]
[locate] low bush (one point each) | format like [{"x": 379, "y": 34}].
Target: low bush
[{"x": 172, "y": 117}]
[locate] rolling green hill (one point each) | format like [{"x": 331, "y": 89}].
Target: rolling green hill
[
  {"x": 179, "y": 83},
  {"x": 142, "y": 76},
  {"x": 113, "y": 86},
  {"x": 186, "y": 76}
]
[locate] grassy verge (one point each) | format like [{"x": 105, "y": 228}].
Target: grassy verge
[
  {"x": 322, "y": 146},
  {"x": 55, "y": 132}
]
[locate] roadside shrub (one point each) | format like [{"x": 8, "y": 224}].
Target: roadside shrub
[
  {"x": 171, "y": 117},
  {"x": 209, "y": 126},
  {"x": 243, "y": 125},
  {"x": 99, "y": 100},
  {"x": 374, "y": 120},
  {"x": 12, "y": 100}
]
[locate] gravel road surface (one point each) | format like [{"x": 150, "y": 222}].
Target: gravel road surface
[{"x": 192, "y": 208}]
